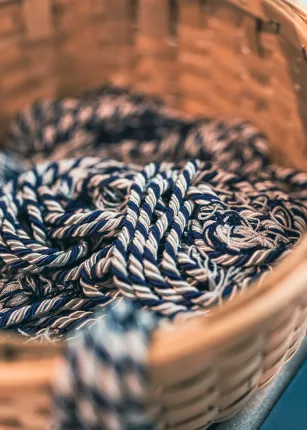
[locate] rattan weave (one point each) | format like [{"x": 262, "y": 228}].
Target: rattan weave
[{"x": 234, "y": 58}]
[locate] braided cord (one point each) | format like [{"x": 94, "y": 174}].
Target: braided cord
[
  {"x": 112, "y": 195},
  {"x": 106, "y": 218},
  {"x": 103, "y": 376},
  {"x": 178, "y": 238}
]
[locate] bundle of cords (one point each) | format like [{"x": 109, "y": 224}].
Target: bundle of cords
[{"x": 114, "y": 196}]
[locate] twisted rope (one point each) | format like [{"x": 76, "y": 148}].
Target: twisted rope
[
  {"x": 117, "y": 124},
  {"x": 106, "y": 218},
  {"x": 11, "y": 165},
  {"x": 102, "y": 378},
  {"x": 178, "y": 236}
]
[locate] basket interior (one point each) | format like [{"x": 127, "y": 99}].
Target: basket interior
[{"x": 205, "y": 57}]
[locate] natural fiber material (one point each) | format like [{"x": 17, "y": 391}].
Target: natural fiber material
[
  {"x": 103, "y": 377},
  {"x": 176, "y": 237},
  {"x": 199, "y": 223},
  {"x": 222, "y": 58},
  {"x": 115, "y": 123},
  {"x": 11, "y": 165}
]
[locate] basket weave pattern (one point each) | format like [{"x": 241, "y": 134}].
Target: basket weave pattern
[{"x": 233, "y": 58}]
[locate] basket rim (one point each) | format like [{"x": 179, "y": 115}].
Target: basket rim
[{"x": 291, "y": 15}]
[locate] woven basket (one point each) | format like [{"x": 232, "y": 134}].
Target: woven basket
[{"x": 243, "y": 58}]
